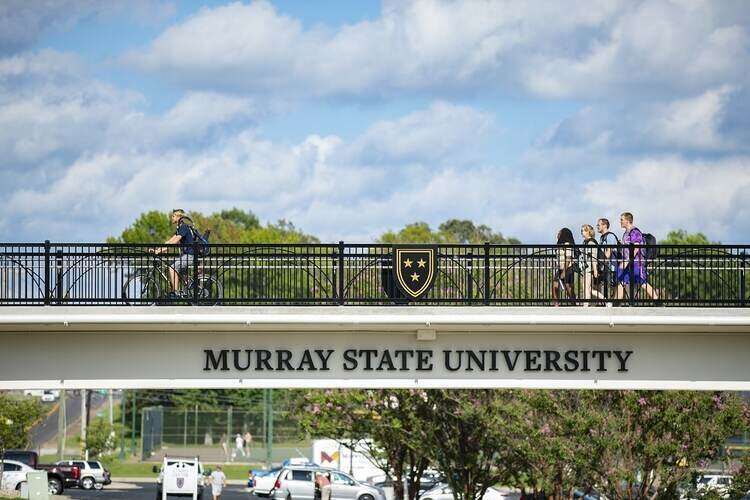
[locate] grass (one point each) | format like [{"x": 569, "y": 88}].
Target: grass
[{"x": 144, "y": 469}]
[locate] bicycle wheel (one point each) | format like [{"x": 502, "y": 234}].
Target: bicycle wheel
[
  {"x": 141, "y": 290},
  {"x": 210, "y": 291}
]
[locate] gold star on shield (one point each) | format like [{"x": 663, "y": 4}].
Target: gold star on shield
[
  {"x": 421, "y": 262},
  {"x": 407, "y": 263},
  {"x": 415, "y": 277}
]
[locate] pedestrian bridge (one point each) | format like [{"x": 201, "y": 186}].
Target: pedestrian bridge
[
  {"x": 408, "y": 346},
  {"x": 349, "y": 315}
]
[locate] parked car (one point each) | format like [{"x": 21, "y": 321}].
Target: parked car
[
  {"x": 428, "y": 481},
  {"x": 92, "y": 475},
  {"x": 718, "y": 483},
  {"x": 298, "y": 483},
  {"x": 14, "y": 475},
  {"x": 56, "y": 475},
  {"x": 174, "y": 474},
  {"x": 262, "y": 481}
]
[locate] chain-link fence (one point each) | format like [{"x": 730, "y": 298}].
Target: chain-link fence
[{"x": 244, "y": 435}]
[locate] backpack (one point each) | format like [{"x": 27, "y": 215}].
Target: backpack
[
  {"x": 650, "y": 240},
  {"x": 599, "y": 256},
  {"x": 204, "y": 247},
  {"x": 615, "y": 253}
]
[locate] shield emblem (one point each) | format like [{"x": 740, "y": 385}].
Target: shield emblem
[
  {"x": 180, "y": 482},
  {"x": 414, "y": 269}
]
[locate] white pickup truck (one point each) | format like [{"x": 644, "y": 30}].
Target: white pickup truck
[{"x": 181, "y": 477}]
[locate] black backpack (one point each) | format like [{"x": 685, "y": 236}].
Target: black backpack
[
  {"x": 651, "y": 251},
  {"x": 615, "y": 253},
  {"x": 601, "y": 257},
  {"x": 203, "y": 246}
]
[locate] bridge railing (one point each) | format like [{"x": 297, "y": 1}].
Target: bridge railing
[{"x": 362, "y": 274}]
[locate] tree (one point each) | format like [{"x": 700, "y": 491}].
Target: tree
[
  {"x": 17, "y": 416},
  {"x": 380, "y": 423},
  {"x": 452, "y": 231},
  {"x": 652, "y": 441},
  {"x": 557, "y": 453},
  {"x": 472, "y": 435},
  {"x": 101, "y": 438}
]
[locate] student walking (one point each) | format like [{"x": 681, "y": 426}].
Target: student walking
[
  {"x": 590, "y": 264},
  {"x": 563, "y": 275},
  {"x": 640, "y": 276},
  {"x": 218, "y": 482},
  {"x": 611, "y": 243},
  {"x": 248, "y": 438}
]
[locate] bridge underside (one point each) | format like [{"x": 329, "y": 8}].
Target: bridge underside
[{"x": 216, "y": 347}]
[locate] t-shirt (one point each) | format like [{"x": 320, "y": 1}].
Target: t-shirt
[
  {"x": 238, "y": 441},
  {"x": 217, "y": 479},
  {"x": 186, "y": 242}
]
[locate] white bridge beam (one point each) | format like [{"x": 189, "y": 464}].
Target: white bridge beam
[{"x": 230, "y": 347}]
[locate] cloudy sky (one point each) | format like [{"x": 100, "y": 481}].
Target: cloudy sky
[{"x": 353, "y": 117}]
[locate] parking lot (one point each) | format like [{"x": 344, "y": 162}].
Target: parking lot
[{"x": 146, "y": 491}]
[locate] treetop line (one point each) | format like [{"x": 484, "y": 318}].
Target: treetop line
[{"x": 423, "y": 360}]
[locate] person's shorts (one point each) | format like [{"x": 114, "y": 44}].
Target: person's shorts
[
  {"x": 183, "y": 262},
  {"x": 566, "y": 277},
  {"x": 639, "y": 277}
]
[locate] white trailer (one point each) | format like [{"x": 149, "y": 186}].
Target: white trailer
[{"x": 180, "y": 476}]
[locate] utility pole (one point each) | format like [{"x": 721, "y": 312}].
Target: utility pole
[
  {"x": 61, "y": 426},
  {"x": 269, "y": 426},
  {"x": 84, "y": 422},
  {"x": 132, "y": 424},
  {"x": 111, "y": 409},
  {"x": 123, "y": 402}
]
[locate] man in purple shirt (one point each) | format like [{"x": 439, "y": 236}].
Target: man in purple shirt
[{"x": 640, "y": 276}]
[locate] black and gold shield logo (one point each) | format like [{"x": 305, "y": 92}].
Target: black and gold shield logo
[{"x": 414, "y": 269}]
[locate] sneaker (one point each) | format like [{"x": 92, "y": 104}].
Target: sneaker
[{"x": 173, "y": 296}]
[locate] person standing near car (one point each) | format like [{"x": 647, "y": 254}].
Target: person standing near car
[
  {"x": 184, "y": 237},
  {"x": 218, "y": 482}
]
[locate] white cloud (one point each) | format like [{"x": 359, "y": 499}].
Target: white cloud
[
  {"x": 22, "y": 22},
  {"x": 597, "y": 48},
  {"x": 670, "y": 193}
]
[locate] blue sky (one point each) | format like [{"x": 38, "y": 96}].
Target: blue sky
[{"x": 352, "y": 118}]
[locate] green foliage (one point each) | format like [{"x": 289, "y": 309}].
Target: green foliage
[
  {"x": 17, "y": 416},
  {"x": 101, "y": 438},
  {"x": 682, "y": 237},
  {"x": 227, "y": 226},
  {"x": 453, "y": 231}
]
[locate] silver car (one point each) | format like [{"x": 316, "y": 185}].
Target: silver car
[{"x": 298, "y": 483}]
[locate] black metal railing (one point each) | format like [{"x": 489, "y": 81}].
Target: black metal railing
[{"x": 361, "y": 274}]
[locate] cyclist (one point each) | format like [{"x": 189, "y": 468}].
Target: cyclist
[{"x": 184, "y": 237}]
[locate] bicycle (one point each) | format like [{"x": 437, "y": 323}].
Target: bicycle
[{"x": 146, "y": 287}]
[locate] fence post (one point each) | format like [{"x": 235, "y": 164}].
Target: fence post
[
  {"x": 341, "y": 273},
  {"x": 195, "y": 273},
  {"x": 47, "y": 291},
  {"x": 743, "y": 286},
  {"x": 470, "y": 276},
  {"x": 486, "y": 273},
  {"x": 631, "y": 273},
  {"x": 59, "y": 276}
]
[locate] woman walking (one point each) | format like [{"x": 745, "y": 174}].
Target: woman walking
[
  {"x": 590, "y": 264},
  {"x": 563, "y": 275}
]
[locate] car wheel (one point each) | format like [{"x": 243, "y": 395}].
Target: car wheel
[
  {"x": 288, "y": 496},
  {"x": 366, "y": 497},
  {"x": 98, "y": 485},
  {"x": 87, "y": 483},
  {"x": 18, "y": 486},
  {"x": 54, "y": 486}
]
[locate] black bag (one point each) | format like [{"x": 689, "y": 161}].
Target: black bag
[
  {"x": 615, "y": 253},
  {"x": 600, "y": 256},
  {"x": 202, "y": 241},
  {"x": 651, "y": 251}
]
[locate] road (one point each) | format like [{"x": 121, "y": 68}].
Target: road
[
  {"x": 147, "y": 491},
  {"x": 46, "y": 431}
]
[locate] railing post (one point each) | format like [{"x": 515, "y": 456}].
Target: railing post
[
  {"x": 486, "y": 273},
  {"x": 47, "y": 291},
  {"x": 195, "y": 273},
  {"x": 470, "y": 276},
  {"x": 631, "y": 273},
  {"x": 341, "y": 273},
  {"x": 59, "y": 276},
  {"x": 743, "y": 290}
]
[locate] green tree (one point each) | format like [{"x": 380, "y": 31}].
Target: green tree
[
  {"x": 17, "y": 416},
  {"x": 472, "y": 435},
  {"x": 452, "y": 231},
  {"x": 652, "y": 441},
  {"x": 101, "y": 438},
  {"x": 387, "y": 418}
]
